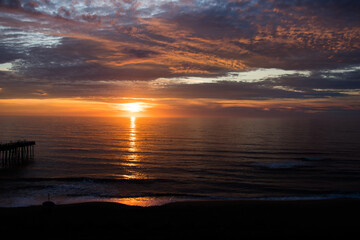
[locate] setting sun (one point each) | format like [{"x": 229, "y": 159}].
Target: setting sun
[
  {"x": 133, "y": 107},
  {"x": 137, "y": 109}
]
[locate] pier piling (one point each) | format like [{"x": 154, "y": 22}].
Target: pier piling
[{"x": 16, "y": 153}]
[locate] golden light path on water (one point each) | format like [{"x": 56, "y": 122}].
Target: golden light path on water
[
  {"x": 132, "y": 161},
  {"x": 133, "y": 167},
  {"x": 132, "y": 164}
]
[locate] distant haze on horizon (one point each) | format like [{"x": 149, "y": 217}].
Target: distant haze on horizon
[{"x": 180, "y": 58}]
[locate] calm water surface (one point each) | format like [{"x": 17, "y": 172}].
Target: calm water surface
[{"x": 146, "y": 161}]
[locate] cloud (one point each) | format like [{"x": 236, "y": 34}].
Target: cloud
[
  {"x": 40, "y": 93},
  {"x": 157, "y": 48},
  {"x": 10, "y": 3},
  {"x": 217, "y": 37}
]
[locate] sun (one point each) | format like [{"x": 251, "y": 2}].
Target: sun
[{"x": 133, "y": 107}]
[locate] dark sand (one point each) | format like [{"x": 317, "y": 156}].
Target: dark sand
[{"x": 334, "y": 219}]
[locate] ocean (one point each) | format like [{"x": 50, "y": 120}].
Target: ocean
[{"x": 152, "y": 161}]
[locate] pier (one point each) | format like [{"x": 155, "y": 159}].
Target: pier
[{"x": 16, "y": 153}]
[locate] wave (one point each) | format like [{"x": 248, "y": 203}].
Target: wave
[
  {"x": 85, "y": 180},
  {"x": 280, "y": 165},
  {"x": 165, "y": 198},
  {"x": 298, "y": 162},
  {"x": 311, "y": 197},
  {"x": 287, "y": 151},
  {"x": 142, "y": 195},
  {"x": 284, "y": 152},
  {"x": 313, "y": 159}
]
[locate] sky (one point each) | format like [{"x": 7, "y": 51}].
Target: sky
[{"x": 180, "y": 58}]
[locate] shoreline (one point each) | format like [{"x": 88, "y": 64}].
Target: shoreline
[{"x": 214, "y": 218}]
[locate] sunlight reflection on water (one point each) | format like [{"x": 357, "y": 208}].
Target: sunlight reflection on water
[{"x": 132, "y": 164}]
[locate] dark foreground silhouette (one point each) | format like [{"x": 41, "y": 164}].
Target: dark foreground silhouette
[{"x": 186, "y": 220}]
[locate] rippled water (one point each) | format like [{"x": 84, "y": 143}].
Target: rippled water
[{"x": 147, "y": 161}]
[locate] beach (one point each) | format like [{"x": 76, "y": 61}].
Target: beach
[{"x": 184, "y": 220}]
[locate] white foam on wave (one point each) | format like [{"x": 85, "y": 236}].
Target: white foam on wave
[
  {"x": 21, "y": 202},
  {"x": 313, "y": 159},
  {"x": 313, "y": 197},
  {"x": 280, "y": 165}
]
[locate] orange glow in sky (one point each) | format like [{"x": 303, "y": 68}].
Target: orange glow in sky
[{"x": 161, "y": 107}]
